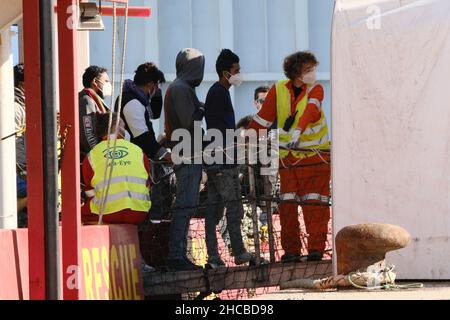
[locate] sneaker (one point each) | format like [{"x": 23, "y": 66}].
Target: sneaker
[
  {"x": 182, "y": 265},
  {"x": 244, "y": 258},
  {"x": 215, "y": 263},
  {"x": 314, "y": 256},
  {"x": 147, "y": 269},
  {"x": 291, "y": 257}
]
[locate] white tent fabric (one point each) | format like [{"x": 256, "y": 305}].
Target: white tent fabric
[{"x": 391, "y": 125}]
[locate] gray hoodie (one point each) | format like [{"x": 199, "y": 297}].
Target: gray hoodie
[{"x": 182, "y": 106}]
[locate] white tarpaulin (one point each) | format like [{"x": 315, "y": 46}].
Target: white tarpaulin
[{"x": 391, "y": 125}]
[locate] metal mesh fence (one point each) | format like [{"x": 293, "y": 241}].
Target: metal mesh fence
[{"x": 262, "y": 199}]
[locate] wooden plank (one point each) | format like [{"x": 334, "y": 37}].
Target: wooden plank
[{"x": 270, "y": 275}]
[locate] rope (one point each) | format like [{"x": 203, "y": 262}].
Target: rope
[
  {"x": 389, "y": 285},
  {"x": 63, "y": 146},
  {"x": 320, "y": 156},
  {"x": 113, "y": 67},
  {"x": 21, "y": 170},
  {"x": 14, "y": 134},
  {"x": 116, "y": 129}
]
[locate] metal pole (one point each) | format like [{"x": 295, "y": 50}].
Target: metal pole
[
  {"x": 251, "y": 179},
  {"x": 268, "y": 193},
  {"x": 50, "y": 157}
]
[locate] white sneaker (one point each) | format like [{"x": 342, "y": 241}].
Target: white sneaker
[{"x": 145, "y": 268}]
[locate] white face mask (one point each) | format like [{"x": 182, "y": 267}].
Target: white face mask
[
  {"x": 107, "y": 89},
  {"x": 236, "y": 79},
  {"x": 310, "y": 77}
]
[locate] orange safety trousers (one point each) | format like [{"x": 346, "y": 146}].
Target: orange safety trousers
[{"x": 303, "y": 181}]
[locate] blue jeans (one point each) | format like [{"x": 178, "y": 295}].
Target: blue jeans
[
  {"x": 188, "y": 187},
  {"x": 224, "y": 190},
  {"x": 21, "y": 187}
]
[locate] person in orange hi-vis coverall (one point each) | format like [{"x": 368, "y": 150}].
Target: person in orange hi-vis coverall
[{"x": 296, "y": 105}]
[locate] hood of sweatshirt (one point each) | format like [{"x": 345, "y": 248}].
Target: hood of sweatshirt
[
  {"x": 190, "y": 66},
  {"x": 130, "y": 87}
]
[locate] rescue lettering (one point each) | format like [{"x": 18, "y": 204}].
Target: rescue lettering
[{"x": 111, "y": 274}]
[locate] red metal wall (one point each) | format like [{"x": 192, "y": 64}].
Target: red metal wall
[{"x": 110, "y": 264}]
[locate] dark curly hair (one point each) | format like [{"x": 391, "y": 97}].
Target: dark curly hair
[
  {"x": 19, "y": 74},
  {"x": 295, "y": 63},
  {"x": 91, "y": 73},
  {"x": 225, "y": 61},
  {"x": 148, "y": 72},
  {"x": 244, "y": 122}
]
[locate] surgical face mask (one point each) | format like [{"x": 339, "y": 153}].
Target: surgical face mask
[
  {"x": 310, "y": 77},
  {"x": 106, "y": 90},
  {"x": 236, "y": 79}
]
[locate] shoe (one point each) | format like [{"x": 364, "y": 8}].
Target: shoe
[
  {"x": 314, "y": 256},
  {"x": 147, "y": 269},
  {"x": 182, "y": 265},
  {"x": 262, "y": 261},
  {"x": 244, "y": 258},
  {"x": 190, "y": 263},
  {"x": 215, "y": 263},
  {"x": 291, "y": 257}
]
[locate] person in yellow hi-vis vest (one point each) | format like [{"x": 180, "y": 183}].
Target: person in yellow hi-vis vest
[
  {"x": 128, "y": 199},
  {"x": 296, "y": 105}
]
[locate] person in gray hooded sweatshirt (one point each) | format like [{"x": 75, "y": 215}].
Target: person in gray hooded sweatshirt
[{"x": 182, "y": 109}]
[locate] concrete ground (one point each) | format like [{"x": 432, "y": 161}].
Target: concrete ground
[{"x": 430, "y": 291}]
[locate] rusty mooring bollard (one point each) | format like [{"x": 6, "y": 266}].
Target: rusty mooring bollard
[{"x": 359, "y": 247}]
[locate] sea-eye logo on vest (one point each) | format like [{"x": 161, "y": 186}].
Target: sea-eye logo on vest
[{"x": 119, "y": 153}]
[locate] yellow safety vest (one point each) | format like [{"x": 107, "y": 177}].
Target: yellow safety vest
[
  {"x": 315, "y": 135},
  {"x": 128, "y": 189}
]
